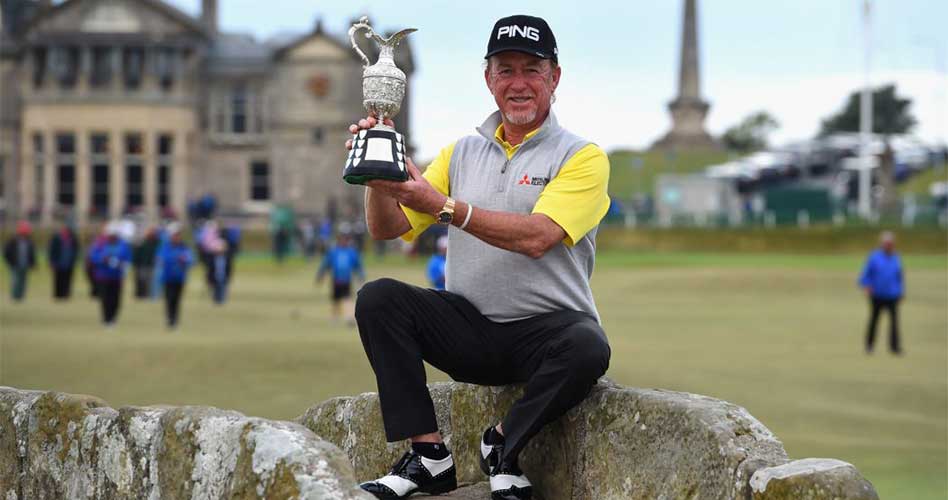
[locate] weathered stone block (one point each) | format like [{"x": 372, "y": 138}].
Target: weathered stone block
[
  {"x": 63, "y": 446},
  {"x": 14, "y": 418},
  {"x": 811, "y": 479},
  {"x": 619, "y": 443}
]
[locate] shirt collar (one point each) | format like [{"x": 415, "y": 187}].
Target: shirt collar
[
  {"x": 492, "y": 129},
  {"x": 499, "y": 137}
]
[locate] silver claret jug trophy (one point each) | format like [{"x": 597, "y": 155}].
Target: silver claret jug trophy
[{"x": 379, "y": 152}]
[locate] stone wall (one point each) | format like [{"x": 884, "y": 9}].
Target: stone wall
[
  {"x": 61, "y": 446},
  {"x": 620, "y": 443}
]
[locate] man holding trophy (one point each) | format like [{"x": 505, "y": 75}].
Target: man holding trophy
[{"x": 524, "y": 197}]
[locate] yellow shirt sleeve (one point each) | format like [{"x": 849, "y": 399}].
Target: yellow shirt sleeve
[
  {"x": 437, "y": 175},
  {"x": 577, "y": 198}
]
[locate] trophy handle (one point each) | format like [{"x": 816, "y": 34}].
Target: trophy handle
[
  {"x": 362, "y": 24},
  {"x": 395, "y": 39}
]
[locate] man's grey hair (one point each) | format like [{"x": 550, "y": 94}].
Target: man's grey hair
[
  {"x": 485, "y": 64},
  {"x": 887, "y": 237}
]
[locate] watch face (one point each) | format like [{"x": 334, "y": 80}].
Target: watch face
[{"x": 445, "y": 217}]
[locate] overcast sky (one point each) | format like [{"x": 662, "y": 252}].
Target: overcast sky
[{"x": 796, "y": 59}]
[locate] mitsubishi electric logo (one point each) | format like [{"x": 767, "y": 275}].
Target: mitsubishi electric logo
[
  {"x": 526, "y": 180},
  {"x": 521, "y": 31}
]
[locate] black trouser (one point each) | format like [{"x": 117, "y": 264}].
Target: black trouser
[
  {"x": 892, "y": 305},
  {"x": 110, "y": 293},
  {"x": 62, "y": 283},
  {"x": 93, "y": 283},
  {"x": 172, "y": 301},
  {"x": 143, "y": 278},
  {"x": 558, "y": 355}
]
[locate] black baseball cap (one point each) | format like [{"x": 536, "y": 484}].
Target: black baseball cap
[{"x": 527, "y": 34}]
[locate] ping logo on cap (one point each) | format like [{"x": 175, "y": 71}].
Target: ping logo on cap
[{"x": 522, "y": 31}]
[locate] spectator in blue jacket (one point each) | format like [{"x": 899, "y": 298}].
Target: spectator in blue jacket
[
  {"x": 176, "y": 259},
  {"x": 436, "y": 264},
  {"x": 343, "y": 260},
  {"x": 109, "y": 261},
  {"x": 62, "y": 254},
  {"x": 882, "y": 279}
]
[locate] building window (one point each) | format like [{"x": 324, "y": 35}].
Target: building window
[
  {"x": 133, "y": 144},
  {"x": 101, "y": 67},
  {"x": 133, "y": 65},
  {"x": 165, "y": 144},
  {"x": 65, "y": 64},
  {"x": 134, "y": 186},
  {"x": 66, "y": 144},
  {"x": 39, "y": 66},
  {"x": 165, "y": 162},
  {"x": 318, "y": 135},
  {"x": 66, "y": 169},
  {"x": 99, "y": 160},
  {"x": 164, "y": 185},
  {"x": 67, "y": 185},
  {"x": 238, "y": 109},
  {"x": 260, "y": 181},
  {"x": 100, "y": 190},
  {"x": 39, "y": 169},
  {"x": 164, "y": 67},
  {"x": 99, "y": 145}
]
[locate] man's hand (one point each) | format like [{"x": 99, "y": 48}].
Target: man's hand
[
  {"x": 868, "y": 290},
  {"x": 365, "y": 123},
  {"x": 415, "y": 193},
  {"x": 383, "y": 216}
]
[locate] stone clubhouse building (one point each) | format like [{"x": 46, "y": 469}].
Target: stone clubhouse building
[{"x": 116, "y": 106}]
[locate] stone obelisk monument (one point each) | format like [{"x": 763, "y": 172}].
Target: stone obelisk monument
[{"x": 688, "y": 109}]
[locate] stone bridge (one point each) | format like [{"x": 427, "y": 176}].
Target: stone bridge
[{"x": 620, "y": 443}]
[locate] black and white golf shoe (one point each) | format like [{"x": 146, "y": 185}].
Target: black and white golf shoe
[
  {"x": 414, "y": 473},
  {"x": 507, "y": 481}
]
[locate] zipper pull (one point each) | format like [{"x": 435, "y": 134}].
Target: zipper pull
[{"x": 504, "y": 168}]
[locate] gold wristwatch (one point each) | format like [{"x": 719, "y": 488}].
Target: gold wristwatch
[{"x": 446, "y": 215}]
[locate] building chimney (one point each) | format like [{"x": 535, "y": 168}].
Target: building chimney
[{"x": 209, "y": 16}]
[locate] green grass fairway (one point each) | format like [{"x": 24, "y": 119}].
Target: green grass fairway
[{"x": 780, "y": 335}]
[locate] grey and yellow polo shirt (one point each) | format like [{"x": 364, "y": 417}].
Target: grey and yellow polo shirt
[{"x": 552, "y": 172}]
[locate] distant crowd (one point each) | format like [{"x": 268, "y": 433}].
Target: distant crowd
[
  {"x": 160, "y": 261},
  {"x": 158, "y": 256}
]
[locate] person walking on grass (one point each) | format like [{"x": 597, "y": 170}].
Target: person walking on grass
[
  {"x": 109, "y": 261},
  {"x": 176, "y": 259},
  {"x": 99, "y": 239},
  {"x": 63, "y": 253},
  {"x": 343, "y": 261},
  {"x": 884, "y": 284},
  {"x": 522, "y": 200},
  {"x": 220, "y": 264},
  {"x": 437, "y": 262},
  {"x": 20, "y": 256},
  {"x": 144, "y": 263}
]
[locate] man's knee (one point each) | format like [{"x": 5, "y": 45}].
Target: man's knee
[
  {"x": 376, "y": 296},
  {"x": 589, "y": 350}
]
